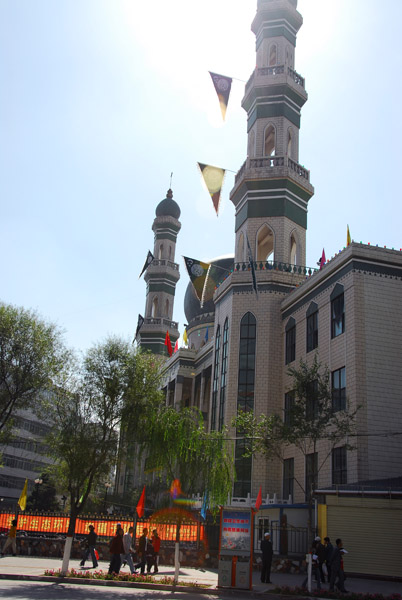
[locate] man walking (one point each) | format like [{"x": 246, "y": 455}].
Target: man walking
[
  {"x": 90, "y": 548},
  {"x": 11, "y": 538},
  {"x": 126, "y": 556},
  {"x": 267, "y": 552},
  {"x": 142, "y": 550},
  {"x": 336, "y": 569},
  {"x": 116, "y": 548},
  {"x": 156, "y": 542}
]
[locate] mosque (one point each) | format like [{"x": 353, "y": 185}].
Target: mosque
[{"x": 242, "y": 342}]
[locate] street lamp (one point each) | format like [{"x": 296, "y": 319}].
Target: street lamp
[{"x": 107, "y": 487}]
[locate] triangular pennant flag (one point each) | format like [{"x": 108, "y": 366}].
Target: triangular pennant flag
[
  {"x": 213, "y": 177},
  {"x": 258, "y": 502},
  {"x": 168, "y": 343},
  {"x": 222, "y": 85},
  {"x": 140, "y": 323},
  {"x": 176, "y": 346},
  {"x": 197, "y": 271},
  {"x": 141, "y": 504},
  {"x": 214, "y": 276},
  {"x": 148, "y": 261},
  {"x": 185, "y": 339},
  {"x": 322, "y": 259},
  {"x": 251, "y": 263},
  {"x": 348, "y": 240},
  {"x": 23, "y": 498}
]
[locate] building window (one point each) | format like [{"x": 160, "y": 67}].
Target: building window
[
  {"x": 223, "y": 375},
  {"x": 216, "y": 378},
  {"x": 311, "y": 473},
  {"x": 290, "y": 341},
  {"x": 337, "y": 311},
  {"x": 339, "y": 468},
  {"x": 289, "y": 403},
  {"x": 272, "y": 55},
  {"x": 265, "y": 243},
  {"x": 269, "y": 141},
  {"x": 312, "y": 327},
  {"x": 312, "y": 405},
  {"x": 339, "y": 390},
  {"x": 288, "y": 477},
  {"x": 245, "y": 400}
]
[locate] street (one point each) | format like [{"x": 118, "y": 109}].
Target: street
[{"x": 32, "y": 590}]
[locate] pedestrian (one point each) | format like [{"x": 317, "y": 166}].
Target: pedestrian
[
  {"x": 315, "y": 570},
  {"x": 116, "y": 548},
  {"x": 328, "y": 553},
  {"x": 156, "y": 542},
  {"x": 150, "y": 556},
  {"x": 267, "y": 553},
  {"x": 336, "y": 568},
  {"x": 142, "y": 550},
  {"x": 11, "y": 538},
  {"x": 90, "y": 548},
  {"x": 128, "y": 550},
  {"x": 320, "y": 551}
]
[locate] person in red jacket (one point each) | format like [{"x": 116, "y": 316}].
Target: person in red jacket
[
  {"x": 116, "y": 548},
  {"x": 156, "y": 542}
]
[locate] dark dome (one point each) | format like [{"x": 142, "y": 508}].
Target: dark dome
[
  {"x": 192, "y": 308},
  {"x": 168, "y": 207}
]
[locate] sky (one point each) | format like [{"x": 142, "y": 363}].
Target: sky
[{"x": 101, "y": 100}]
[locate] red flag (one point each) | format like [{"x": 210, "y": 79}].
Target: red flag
[
  {"x": 258, "y": 502},
  {"x": 168, "y": 343},
  {"x": 176, "y": 346},
  {"x": 323, "y": 259},
  {"x": 141, "y": 504}
]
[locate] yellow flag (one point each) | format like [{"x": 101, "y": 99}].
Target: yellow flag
[
  {"x": 185, "y": 340},
  {"x": 23, "y": 498},
  {"x": 348, "y": 240}
]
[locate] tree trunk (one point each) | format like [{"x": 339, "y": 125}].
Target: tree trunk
[
  {"x": 177, "y": 554},
  {"x": 69, "y": 540}
]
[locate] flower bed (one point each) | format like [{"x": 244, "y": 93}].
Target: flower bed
[
  {"x": 105, "y": 576},
  {"x": 302, "y": 592}
]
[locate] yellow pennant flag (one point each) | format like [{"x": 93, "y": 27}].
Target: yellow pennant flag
[
  {"x": 348, "y": 240},
  {"x": 185, "y": 340},
  {"x": 23, "y": 498},
  {"x": 213, "y": 178}
]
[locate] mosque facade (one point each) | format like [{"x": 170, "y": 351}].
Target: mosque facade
[{"x": 242, "y": 342}]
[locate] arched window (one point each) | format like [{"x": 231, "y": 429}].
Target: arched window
[
  {"x": 240, "y": 248},
  {"x": 160, "y": 251},
  {"x": 269, "y": 141},
  {"x": 223, "y": 374},
  {"x": 170, "y": 252},
  {"x": 265, "y": 243},
  {"x": 216, "y": 379},
  {"x": 293, "y": 250},
  {"x": 251, "y": 144},
  {"x": 154, "y": 312},
  {"x": 167, "y": 308},
  {"x": 245, "y": 399},
  {"x": 272, "y": 57}
]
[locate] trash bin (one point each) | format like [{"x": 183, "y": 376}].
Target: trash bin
[
  {"x": 225, "y": 571},
  {"x": 243, "y": 573}
]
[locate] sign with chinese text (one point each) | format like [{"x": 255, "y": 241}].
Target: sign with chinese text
[{"x": 236, "y": 532}]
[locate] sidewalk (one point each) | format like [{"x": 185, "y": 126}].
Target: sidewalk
[{"x": 34, "y": 566}]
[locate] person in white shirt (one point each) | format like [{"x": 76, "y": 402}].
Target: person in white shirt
[{"x": 126, "y": 557}]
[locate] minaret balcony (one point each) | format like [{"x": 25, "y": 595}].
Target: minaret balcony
[
  {"x": 273, "y": 167},
  {"x": 266, "y": 77},
  {"x": 162, "y": 267},
  {"x": 158, "y": 321},
  {"x": 162, "y": 262}
]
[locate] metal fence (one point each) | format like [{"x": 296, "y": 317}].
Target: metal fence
[{"x": 286, "y": 541}]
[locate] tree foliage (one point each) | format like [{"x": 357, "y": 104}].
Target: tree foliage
[
  {"x": 32, "y": 355},
  {"x": 43, "y": 495},
  {"x": 309, "y": 419},
  {"x": 180, "y": 446}
]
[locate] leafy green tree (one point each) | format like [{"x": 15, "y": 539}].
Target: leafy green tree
[
  {"x": 202, "y": 462},
  {"x": 309, "y": 419},
  {"x": 116, "y": 387},
  {"x": 43, "y": 496},
  {"x": 32, "y": 355}
]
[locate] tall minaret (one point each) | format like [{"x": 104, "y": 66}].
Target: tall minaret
[
  {"x": 272, "y": 189},
  {"x": 161, "y": 277}
]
